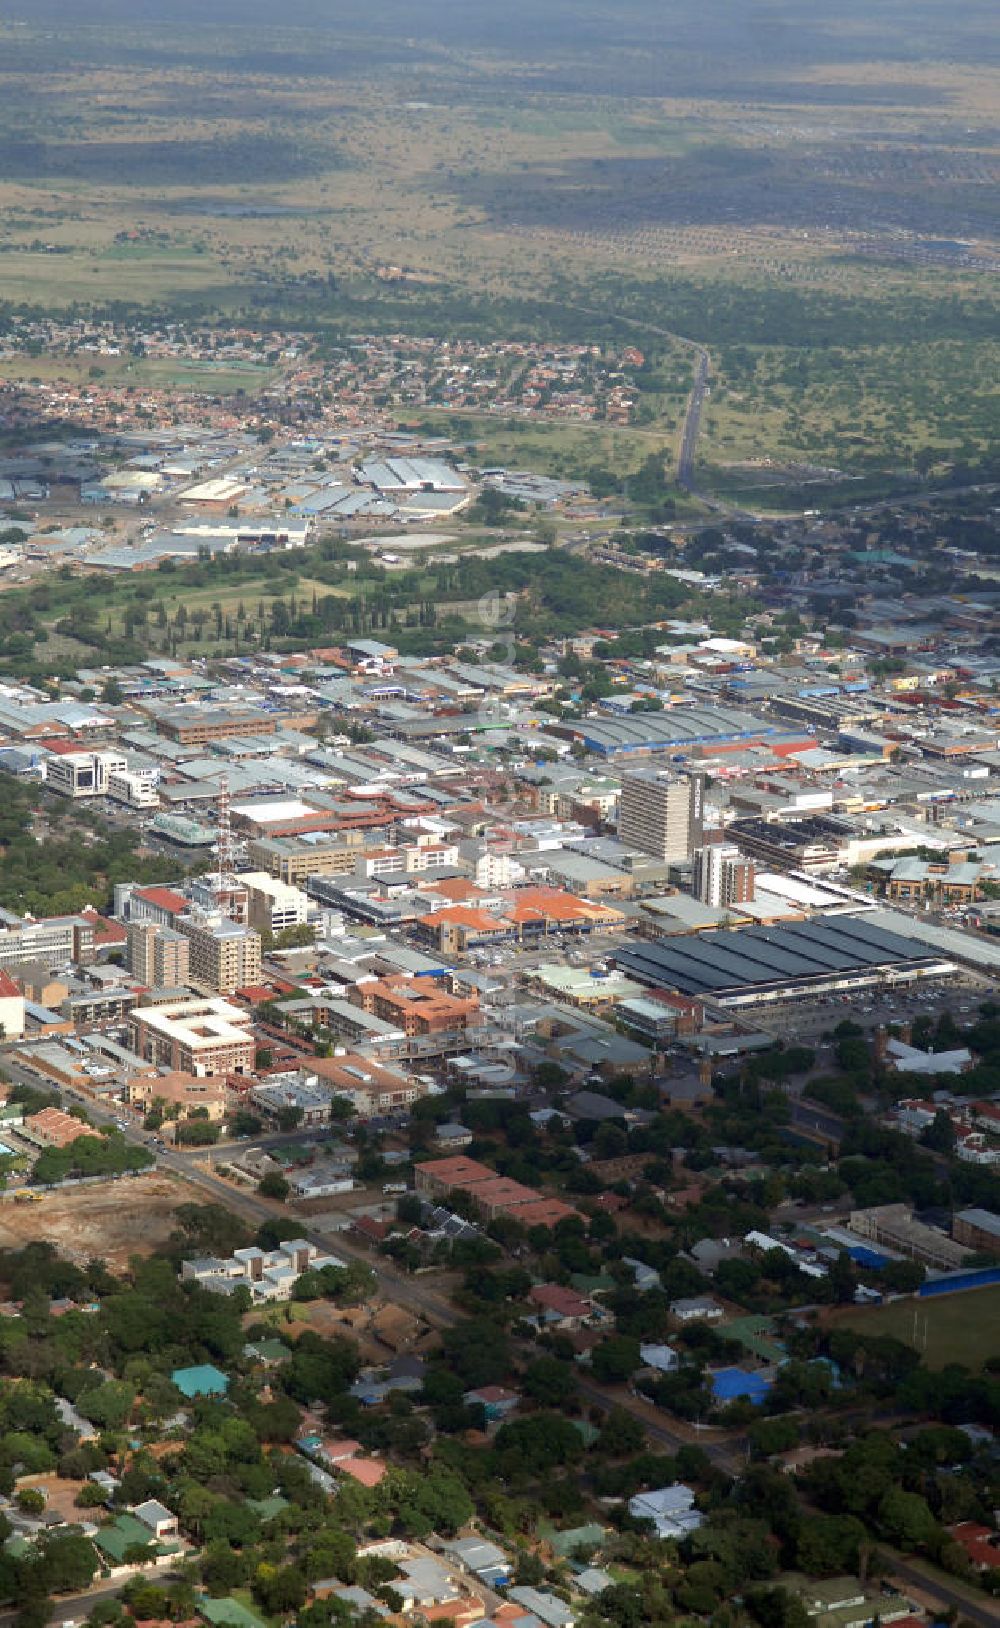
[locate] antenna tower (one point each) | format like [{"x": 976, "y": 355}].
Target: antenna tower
[{"x": 224, "y": 841}]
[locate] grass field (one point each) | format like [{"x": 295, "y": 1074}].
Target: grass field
[
  {"x": 962, "y": 1328},
  {"x": 200, "y": 603},
  {"x": 564, "y": 450},
  {"x": 161, "y": 373}
]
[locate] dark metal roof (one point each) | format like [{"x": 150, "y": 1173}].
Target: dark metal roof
[{"x": 744, "y": 957}]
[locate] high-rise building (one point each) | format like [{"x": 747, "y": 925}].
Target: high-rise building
[
  {"x": 661, "y": 813},
  {"x": 722, "y": 876},
  {"x": 157, "y": 956},
  {"x": 225, "y": 956}
]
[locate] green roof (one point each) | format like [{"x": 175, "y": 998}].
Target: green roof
[
  {"x": 267, "y": 1508},
  {"x": 205, "y": 1380},
  {"x": 754, "y": 1334},
  {"x": 267, "y": 1350},
  {"x": 592, "y": 1283},
  {"x": 578, "y": 1537},
  {"x": 230, "y": 1612},
  {"x": 121, "y": 1535}
]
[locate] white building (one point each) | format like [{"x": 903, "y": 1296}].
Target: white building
[
  {"x": 268, "y": 1274},
  {"x": 273, "y": 905},
  {"x": 136, "y": 788},
  {"x": 11, "y": 1008},
  {"x": 671, "y": 1510},
  {"x": 722, "y": 876},
  {"x": 661, "y": 1357},
  {"x": 83, "y": 774}
]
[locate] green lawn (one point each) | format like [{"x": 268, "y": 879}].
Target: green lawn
[{"x": 962, "y": 1328}]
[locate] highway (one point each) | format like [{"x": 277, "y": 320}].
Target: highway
[{"x": 692, "y": 422}]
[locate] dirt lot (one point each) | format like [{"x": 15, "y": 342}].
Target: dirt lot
[{"x": 110, "y": 1221}]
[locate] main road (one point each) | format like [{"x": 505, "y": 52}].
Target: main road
[{"x": 692, "y": 421}]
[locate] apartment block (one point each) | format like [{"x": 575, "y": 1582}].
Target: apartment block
[
  {"x": 224, "y": 956},
  {"x": 159, "y": 957},
  {"x": 418, "y": 1006},
  {"x": 722, "y": 876},
  {"x": 293, "y": 859}
]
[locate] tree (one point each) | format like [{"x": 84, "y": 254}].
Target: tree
[
  {"x": 776, "y": 1608},
  {"x": 615, "y": 1359},
  {"x": 830, "y": 1545},
  {"x": 274, "y": 1185},
  {"x": 905, "y": 1518},
  {"x": 769, "y": 1436},
  {"x": 903, "y": 1277},
  {"x": 621, "y": 1434},
  {"x": 67, "y": 1562},
  {"x": 538, "y": 1443},
  {"x": 280, "y": 1590},
  {"x": 939, "y": 1135},
  {"x": 549, "y": 1382}
]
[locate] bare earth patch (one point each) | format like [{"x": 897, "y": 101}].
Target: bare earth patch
[{"x": 109, "y": 1221}]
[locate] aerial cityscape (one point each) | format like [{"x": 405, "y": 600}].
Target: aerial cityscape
[{"x": 499, "y": 815}]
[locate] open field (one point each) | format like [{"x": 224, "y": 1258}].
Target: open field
[
  {"x": 962, "y": 1328},
  {"x": 214, "y": 378},
  {"x": 108, "y": 1221},
  {"x": 565, "y": 450}
]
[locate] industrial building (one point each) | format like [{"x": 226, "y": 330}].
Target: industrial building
[
  {"x": 676, "y": 729},
  {"x": 978, "y": 1230},
  {"x": 752, "y": 965}
]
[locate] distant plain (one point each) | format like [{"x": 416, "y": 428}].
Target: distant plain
[{"x": 811, "y": 195}]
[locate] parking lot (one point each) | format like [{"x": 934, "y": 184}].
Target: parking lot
[{"x": 807, "y": 1020}]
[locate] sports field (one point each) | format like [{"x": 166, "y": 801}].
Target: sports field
[{"x": 962, "y": 1328}]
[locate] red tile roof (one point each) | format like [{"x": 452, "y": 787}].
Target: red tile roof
[{"x": 164, "y": 898}]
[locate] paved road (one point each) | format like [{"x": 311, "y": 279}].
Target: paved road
[
  {"x": 74, "y": 1607},
  {"x": 728, "y": 1455},
  {"x": 692, "y": 422},
  {"x": 941, "y": 1593}
]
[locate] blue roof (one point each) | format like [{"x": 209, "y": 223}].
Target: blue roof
[
  {"x": 730, "y": 1383},
  {"x": 203, "y": 1380},
  {"x": 861, "y": 1255}
]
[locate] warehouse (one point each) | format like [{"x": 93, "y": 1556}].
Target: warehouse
[
  {"x": 676, "y": 729},
  {"x": 753, "y": 965}
]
